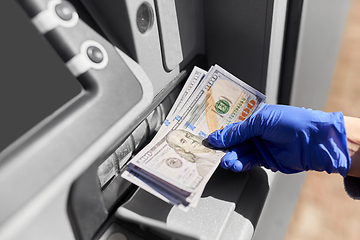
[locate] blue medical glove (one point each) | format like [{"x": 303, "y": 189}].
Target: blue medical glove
[{"x": 286, "y": 139}]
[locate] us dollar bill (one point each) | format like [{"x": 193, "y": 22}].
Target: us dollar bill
[
  {"x": 179, "y": 159},
  {"x": 192, "y": 83},
  {"x": 221, "y": 99},
  {"x": 163, "y": 192},
  {"x": 189, "y": 88}
]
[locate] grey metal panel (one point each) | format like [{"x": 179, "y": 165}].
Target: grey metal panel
[
  {"x": 229, "y": 208},
  {"x": 237, "y": 37},
  {"x": 279, "y": 205},
  {"x": 48, "y": 159},
  {"x": 319, "y": 38},
  {"x": 321, "y": 30},
  {"x": 29, "y": 91},
  {"x": 118, "y": 21},
  {"x": 190, "y": 15},
  {"x": 169, "y": 34},
  {"x": 275, "y": 51},
  {"x": 215, "y": 217}
]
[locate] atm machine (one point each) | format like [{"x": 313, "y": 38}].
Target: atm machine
[{"x": 87, "y": 83}]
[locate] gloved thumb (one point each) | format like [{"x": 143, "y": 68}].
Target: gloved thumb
[
  {"x": 232, "y": 135},
  {"x": 235, "y": 133}
]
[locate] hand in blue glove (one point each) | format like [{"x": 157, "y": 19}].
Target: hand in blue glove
[{"x": 286, "y": 139}]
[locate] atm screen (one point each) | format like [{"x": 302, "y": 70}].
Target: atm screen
[{"x": 34, "y": 81}]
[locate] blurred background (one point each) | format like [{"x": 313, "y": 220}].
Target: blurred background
[{"x": 324, "y": 210}]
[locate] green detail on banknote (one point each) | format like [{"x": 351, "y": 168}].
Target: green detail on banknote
[
  {"x": 236, "y": 110},
  {"x": 222, "y": 106}
]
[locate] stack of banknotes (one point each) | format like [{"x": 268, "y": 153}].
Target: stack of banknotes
[{"x": 176, "y": 165}]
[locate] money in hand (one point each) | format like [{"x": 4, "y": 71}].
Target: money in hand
[{"x": 178, "y": 163}]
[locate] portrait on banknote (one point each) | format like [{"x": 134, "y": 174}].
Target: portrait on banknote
[{"x": 193, "y": 148}]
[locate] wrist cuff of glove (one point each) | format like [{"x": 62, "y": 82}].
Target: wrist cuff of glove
[{"x": 332, "y": 143}]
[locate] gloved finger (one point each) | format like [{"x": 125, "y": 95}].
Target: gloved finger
[
  {"x": 228, "y": 160},
  {"x": 235, "y": 154},
  {"x": 217, "y": 138},
  {"x": 244, "y": 163},
  {"x": 240, "y": 158},
  {"x": 231, "y": 135}
]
